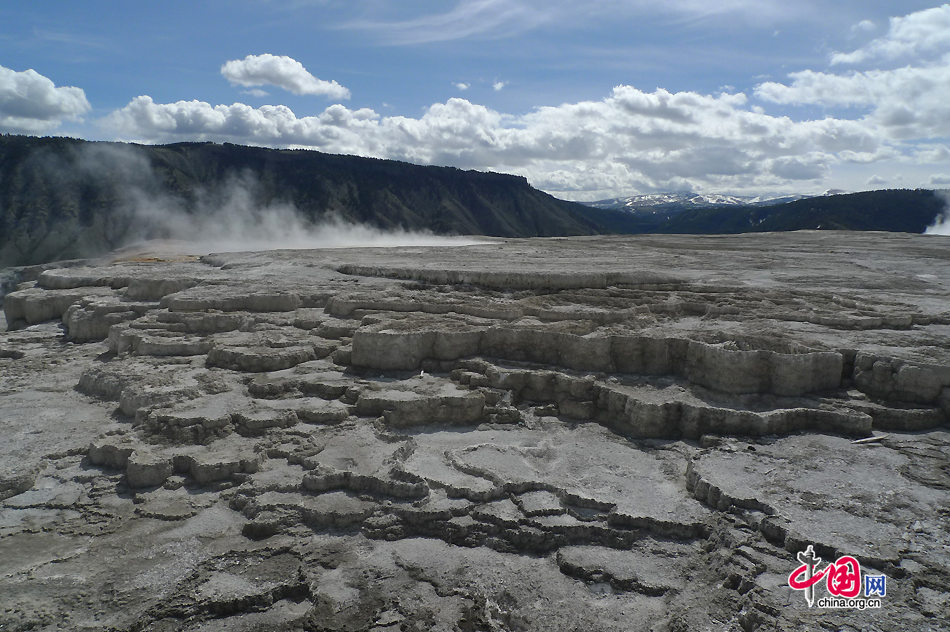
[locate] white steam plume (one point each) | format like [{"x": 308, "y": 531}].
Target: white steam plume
[
  {"x": 231, "y": 219},
  {"x": 941, "y": 225},
  {"x": 231, "y": 216}
]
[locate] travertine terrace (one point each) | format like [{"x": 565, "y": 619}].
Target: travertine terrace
[{"x": 607, "y": 433}]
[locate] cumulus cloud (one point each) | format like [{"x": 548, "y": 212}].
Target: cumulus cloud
[
  {"x": 462, "y": 86},
  {"x": 917, "y": 34},
  {"x": 283, "y": 72},
  {"x": 271, "y": 125},
  {"x": 32, "y": 104},
  {"x": 631, "y": 140},
  {"x": 499, "y": 85},
  {"x": 908, "y": 102},
  {"x": 876, "y": 179},
  {"x": 924, "y": 153}
]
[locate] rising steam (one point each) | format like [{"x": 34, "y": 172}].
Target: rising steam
[
  {"x": 231, "y": 219},
  {"x": 941, "y": 225},
  {"x": 232, "y": 216}
]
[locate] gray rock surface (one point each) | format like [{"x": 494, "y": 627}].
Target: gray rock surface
[{"x": 610, "y": 433}]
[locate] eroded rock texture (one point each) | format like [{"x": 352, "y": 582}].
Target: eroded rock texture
[{"x": 567, "y": 434}]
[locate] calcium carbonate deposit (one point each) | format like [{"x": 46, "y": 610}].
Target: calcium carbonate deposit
[{"x": 606, "y": 433}]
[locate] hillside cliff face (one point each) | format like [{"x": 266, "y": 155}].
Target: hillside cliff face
[{"x": 62, "y": 198}]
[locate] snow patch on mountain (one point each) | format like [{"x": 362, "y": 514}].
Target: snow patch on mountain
[{"x": 687, "y": 200}]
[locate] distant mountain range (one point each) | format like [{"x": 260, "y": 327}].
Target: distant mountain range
[
  {"x": 896, "y": 210},
  {"x": 63, "y": 198},
  {"x": 685, "y": 200}
]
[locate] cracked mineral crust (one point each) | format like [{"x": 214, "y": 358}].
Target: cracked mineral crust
[{"x": 604, "y": 433}]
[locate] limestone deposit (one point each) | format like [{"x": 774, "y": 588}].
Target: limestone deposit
[{"x": 599, "y": 433}]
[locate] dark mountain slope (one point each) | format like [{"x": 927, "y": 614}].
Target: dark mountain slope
[{"x": 64, "y": 198}]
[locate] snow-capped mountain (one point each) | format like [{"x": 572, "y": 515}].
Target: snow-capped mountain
[
  {"x": 895, "y": 210},
  {"x": 682, "y": 201}
]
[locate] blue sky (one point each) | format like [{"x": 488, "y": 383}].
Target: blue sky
[{"x": 587, "y": 100}]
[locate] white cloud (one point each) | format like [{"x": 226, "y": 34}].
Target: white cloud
[
  {"x": 908, "y": 102},
  {"x": 283, "y": 72},
  {"x": 493, "y": 19},
  {"x": 256, "y": 92},
  {"x": 631, "y": 140},
  {"x": 917, "y": 34},
  {"x": 273, "y": 125},
  {"x": 924, "y": 153},
  {"x": 865, "y": 26},
  {"x": 911, "y": 102},
  {"x": 31, "y": 103},
  {"x": 499, "y": 85},
  {"x": 469, "y": 18},
  {"x": 462, "y": 86}
]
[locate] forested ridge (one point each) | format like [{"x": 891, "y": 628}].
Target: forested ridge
[{"x": 63, "y": 198}]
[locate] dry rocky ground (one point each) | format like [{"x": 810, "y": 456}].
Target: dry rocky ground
[{"x": 624, "y": 433}]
